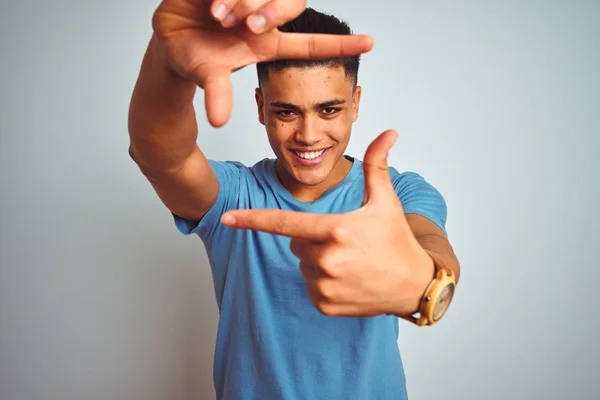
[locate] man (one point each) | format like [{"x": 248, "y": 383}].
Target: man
[{"x": 314, "y": 253}]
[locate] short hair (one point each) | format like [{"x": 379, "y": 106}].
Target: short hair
[{"x": 312, "y": 21}]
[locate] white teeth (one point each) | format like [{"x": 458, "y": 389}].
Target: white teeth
[{"x": 310, "y": 155}]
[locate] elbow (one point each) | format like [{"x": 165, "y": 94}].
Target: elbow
[
  {"x": 455, "y": 267},
  {"x": 132, "y": 154}
]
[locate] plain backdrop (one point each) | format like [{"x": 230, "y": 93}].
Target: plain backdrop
[{"x": 497, "y": 105}]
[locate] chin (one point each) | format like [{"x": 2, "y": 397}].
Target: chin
[
  {"x": 310, "y": 176},
  {"x": 310, "y": 179}
]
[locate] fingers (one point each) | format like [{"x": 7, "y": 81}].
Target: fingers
[
  {"x": 232, "y": 12},
  {"x": 218, "y": 98},
  {"x": 273, "y": 14},
  {"x": 308, "y": 271},
  {"x": 318, "y": 259},
  {"x": 310, "y": 46},
  {"x": 378, "y": 184},
  {"x": 259, "y": 15},
  {"x": 299, "y": 225},
  {"x": 308, "y": 251},
  {"x": 318, "y": 289},
  {"x": 220, "y": 9}
]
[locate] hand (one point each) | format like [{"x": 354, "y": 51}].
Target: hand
[
  {"x": 363, "y": 263},
  {"x": 200, "y": 48}
]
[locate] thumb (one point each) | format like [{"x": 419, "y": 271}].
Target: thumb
[
  {"x": 218, "y": 98},
  {"x": 378, "y": 183}
]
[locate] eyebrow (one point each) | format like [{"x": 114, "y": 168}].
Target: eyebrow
[{"x": 293, "y": 107}]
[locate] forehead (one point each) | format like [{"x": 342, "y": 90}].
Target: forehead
[{"x": 302, "y": 84}]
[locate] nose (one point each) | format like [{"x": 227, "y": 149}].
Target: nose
[{"x": 307, "y": 133}]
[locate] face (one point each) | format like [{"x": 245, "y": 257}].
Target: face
[{"x": 308, "y": 114}]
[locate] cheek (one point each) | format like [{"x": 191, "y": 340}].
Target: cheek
[
  {"x": 340, "y": 127},
  {"x": 279, "y": 132}
]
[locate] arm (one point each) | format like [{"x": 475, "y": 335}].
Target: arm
[
  {"x": 370, "y": 261},
  {"x": 163, "y": 133},
  {"x": 433, "y": 239},
  {"x": 191, "y": 47}
]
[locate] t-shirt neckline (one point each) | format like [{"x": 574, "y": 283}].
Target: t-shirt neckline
[{"x": 352, "y": 174}]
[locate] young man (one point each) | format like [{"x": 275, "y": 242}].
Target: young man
[{"x": 313, "y": 253}]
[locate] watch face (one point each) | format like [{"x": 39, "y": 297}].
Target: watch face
[{"x": 443, "y": 301}]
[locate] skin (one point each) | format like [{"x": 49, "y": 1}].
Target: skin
[
  {"x": 191, "y": 48},
  {"x": 368, "y": 262},
  {"x": 307, "y": 109}
]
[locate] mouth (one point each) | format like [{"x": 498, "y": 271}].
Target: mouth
[{"x": 310, "y": 158}]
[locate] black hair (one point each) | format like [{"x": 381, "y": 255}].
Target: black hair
[{"x": 312, "y": 21}]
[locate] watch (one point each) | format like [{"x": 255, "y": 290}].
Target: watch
[{"x": 437, "y": 296}]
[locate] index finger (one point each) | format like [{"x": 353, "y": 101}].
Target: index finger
[
  {"x": 301, "y": 225},
  {"x": 320, "y": 45}
]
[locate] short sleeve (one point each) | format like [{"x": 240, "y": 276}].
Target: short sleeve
[
  {"x": 420, "y": 197},
  {"x": 230, "y": 175}
]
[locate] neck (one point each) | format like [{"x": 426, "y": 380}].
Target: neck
[{"x": 309, "y": 193}]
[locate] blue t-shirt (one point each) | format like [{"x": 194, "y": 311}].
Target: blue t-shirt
[{"x": 272, "y": 343}]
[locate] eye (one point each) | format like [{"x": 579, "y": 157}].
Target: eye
[
  {"x": 284, "y": 113},
  {"x": 330, "y": 110}
]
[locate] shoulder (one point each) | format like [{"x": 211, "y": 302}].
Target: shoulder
[
  {"x": 406, "y": 182},
  {"x": 232, "y": 171},
  {"x": 408, "y": 179},
  {"x": 263, "y": 168},
  {"x": 411, "y": 187},
  {"x": 240, "y": 179},
  {"x": 240, "y": 186},
  {"x": 419, "y": 196},
  {"x": 228, "y": 171}
]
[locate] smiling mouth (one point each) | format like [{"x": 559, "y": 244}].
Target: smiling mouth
[
  {"x": 309, "y": 155},
  {"x": 310, "y": 158}
]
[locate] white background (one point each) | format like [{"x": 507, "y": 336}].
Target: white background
[{"x": 497, "y": 104}]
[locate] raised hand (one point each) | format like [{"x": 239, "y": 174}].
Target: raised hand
[
  {"x": 205, "y": 41},
  {"x": 359, "y": 263}
]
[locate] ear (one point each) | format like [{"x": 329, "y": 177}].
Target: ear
[
  {"x": 356, "y": 103},
  {"x": 260, "y": 105}
]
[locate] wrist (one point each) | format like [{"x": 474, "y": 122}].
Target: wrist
[
  {"x": 161, "y": 121},
  {"x": 409, "y": 292},
  {"x": 160, "y": 92},
  {"x": 161, "y": 61}
]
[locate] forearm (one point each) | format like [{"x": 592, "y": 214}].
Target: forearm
[
  {"x": 422, "y": 272},
  {"x": 162, "y": 121},
  {"x": 441, "y": 247}
]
